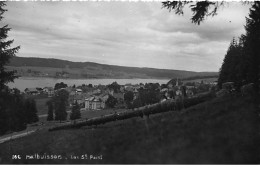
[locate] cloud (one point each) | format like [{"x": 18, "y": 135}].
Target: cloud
[
  {"x": 138, "y": 34},
  {"x": 227, "y": 23}
]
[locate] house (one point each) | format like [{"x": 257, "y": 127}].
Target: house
[
  {"x": 190, "y": 87},
  {"x": 129, "y": 88},
  {"x": 97, "y": 91},
  {"x": 49, "y": 91},
  {"x": 164, "y": 90},
  {"x": 128, "y": 85},
  {"x": 80, "y": 99},
  {"x": 31, "y": 91},
  {"x": 94, "y": 103},
  {"x": 78, "y": 91},
  {"x": 104, "y": 97}
]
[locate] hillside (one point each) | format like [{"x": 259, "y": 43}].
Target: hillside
[
  {"x": 61, "y": 68},
  {"x": 220, "y": 131}
]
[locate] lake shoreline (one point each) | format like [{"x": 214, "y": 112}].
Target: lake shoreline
[
  {"x": 22, "y": 83},
  {"x": 28, "y": 77}
]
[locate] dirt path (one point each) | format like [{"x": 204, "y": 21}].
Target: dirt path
[{"x": 14, "y": 136}]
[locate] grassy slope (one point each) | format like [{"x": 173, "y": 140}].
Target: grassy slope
[{"x": 220, "y": 131}]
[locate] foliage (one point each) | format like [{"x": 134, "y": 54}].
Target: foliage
[
  {"x": 114, "y": 86},
  {"x": 174, "y": 81},
  {"x": 75, "y": 112},
  {"x": 60, "y": 100},
  {"x": 245, "y": 53},
  {"x": 60, "y": 85},
  {"x": 252, "y": 44},
  {"x": 13, "y": 116},
  {"x": 30, "y": 111},
  {"x": 241, "y": 63},
  {"x": 128, "y": 98},
  {"x": 163, "y": 86},
  {"x": 50, "y": 117},
  {"x": 200, "y": 9},
  {"x": 217, "y": 136},
  {"x": 6, "y": 52},
  {"x": 11, "y": 119},
  {"x": 148, "y": 95},
  {"x": 146, "y": 110},
  {"x": 111, "y": 101}
]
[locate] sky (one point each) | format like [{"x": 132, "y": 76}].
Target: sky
[{"x": 139, "y": 34}]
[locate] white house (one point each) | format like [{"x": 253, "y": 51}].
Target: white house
[
  {"x": 94, "y": 103},
  {"x": 49, "y": 91},
  {"x": 78, "y": 91},
  {"x": 31, "y": 91}
]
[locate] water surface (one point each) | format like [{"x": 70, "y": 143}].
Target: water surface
[{"x": 33, "y": 82}]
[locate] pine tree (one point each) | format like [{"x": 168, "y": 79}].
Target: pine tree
[
  {"x": 30, "y": 111},
  {"x": 8, "y": 117},
  {"x": 6, "y": 52},
  {"x": 75, "y": 112},
  {"x": 252, "y": 44},
  {"x": 60, "y": 103},
  {"x": 50, "y": 110}
]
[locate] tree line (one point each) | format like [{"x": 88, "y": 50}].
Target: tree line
[
  {"x": 57, "y": 107},
  {"x": 241, "y": 62},
  {"x": 15, "y": 110}
]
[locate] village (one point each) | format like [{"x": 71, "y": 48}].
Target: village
[{"x": 94, "y": 97}]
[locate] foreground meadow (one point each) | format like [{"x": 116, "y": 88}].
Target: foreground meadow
[{"x": 220, "y": 131}]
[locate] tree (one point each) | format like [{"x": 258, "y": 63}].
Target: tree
[
  {"x": 174, "y": 81},
  {"x": 60, "y": 100},
  {"x": 10, "y": 118},
  {"x": 128, "y": 98},
  {"x": 114, "y": 86},
  {"x": 252, "y": 44},
  {"x": 149, "y": 95},
  {"x": 60, "y": 86},
  {"x": 12, "y": 112},
  {"x": 137, "y": 103},
  {"x": 232, "y": 69},
  {"x": 163, "y": 86},
  {"x": 111, "y": 101},
  {"x": 203, "y": 9},
  {"x": 75, "y": 112},
  {"x": 6, "y": 52},
  {"x": 50, "y": 117},
  {"x": 30, "y": 110},
  {"x": 241, "y": 63}
]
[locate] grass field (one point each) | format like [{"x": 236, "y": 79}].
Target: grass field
[{"x": 220, "y": 131}]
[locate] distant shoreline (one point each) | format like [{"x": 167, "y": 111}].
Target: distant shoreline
[{"x": 55, "y": 78}]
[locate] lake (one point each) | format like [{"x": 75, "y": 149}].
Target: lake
[{"x": 33, "y": 82}]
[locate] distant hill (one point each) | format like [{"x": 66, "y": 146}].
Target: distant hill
[{"x": 31, "y": 66}]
